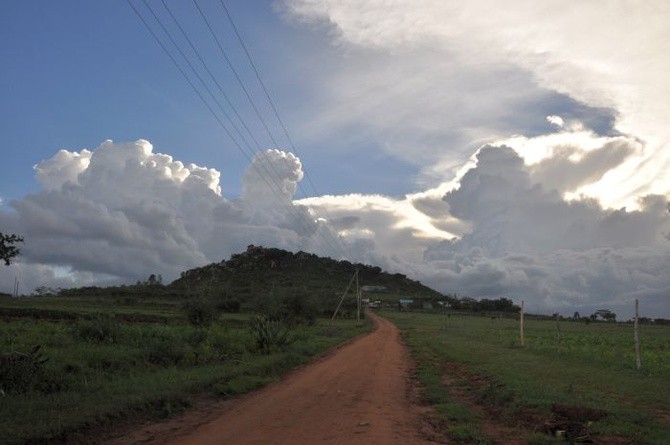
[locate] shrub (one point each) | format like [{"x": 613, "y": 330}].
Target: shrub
[
  {"x": 292, "y": 309},
  {"x": 230, "y": 342},
  {"x": 299, "y": 308},
  {"x": 21, "y": 371},
  {"x": 269, "y": 334},
  {"x": 200, "y": 312},
  {"x": 102, "y": 328},
  {"x": 462, "y": 433},
  {"x": 269, "y": 305},
  {"x": 197, "y": 337},
  {"x": 229, "y": 305},
  {"x": 167, "y": 352}
]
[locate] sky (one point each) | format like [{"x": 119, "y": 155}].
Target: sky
[{"x": 517, "y": 152}]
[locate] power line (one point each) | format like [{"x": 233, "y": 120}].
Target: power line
[
  {"x": 300, "y": 218},
  {"x": 223, "y": 52},
  {"x": 276, "y": 113},
  {"x": 277, "y": 177},
  {"x": 237, "y": 144},
  {"x": 248, "y": 95},
  {"x": 269, "y": 98},
  {"x": 237, "y": 77},
  {"x": 190, "y": 65},
  {"x": 265, "y": 90},
  {"x": 216, "y": 82},
  {"x": 183, "y": 73}
]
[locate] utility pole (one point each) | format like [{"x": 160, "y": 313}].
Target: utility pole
[
  {"x": 355, "y": 276},
  {"x": 636, "y": 333},
  {"x": 558, "y": 333},
  {"x": 358, "y": 300},
  {"x": 521, "y": 333}
]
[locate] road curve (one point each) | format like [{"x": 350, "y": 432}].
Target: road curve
[{"x": 357, "y": 395}]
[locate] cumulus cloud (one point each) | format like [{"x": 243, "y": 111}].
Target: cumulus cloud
[
  {"x": 565, "y": 204},
  {"x": 391, "y": 227},
  {"x": 456, "y": 75},
  {"x": 122, "y": 212},
  {"x": 529, "y": 242},
  {"x": 570, "y": 167},
  {"x": 564, "y": 281},
  {"x": 495, "y": 230},
  {"x": 556, "y": 120},
  {"x": 127, "y": 212},
  {"x": 257, "y": 182},
  {"x": 64, "y": 167},
  {"x": 510, "y": 235},
  {"x": 575, "y": 161}
]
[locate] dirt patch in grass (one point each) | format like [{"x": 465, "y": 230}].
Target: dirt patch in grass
[
  {"x": 204, "y": 409},
  {"x": 573, "y": 422},
  {"x": 464, "y": 388},
  {"x": 664, "y": 417},
  {"x": 432, "y": 427},
  {"x": 504, "y": 421}
]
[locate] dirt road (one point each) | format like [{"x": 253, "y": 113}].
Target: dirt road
[{"x": 357, "y": 395}]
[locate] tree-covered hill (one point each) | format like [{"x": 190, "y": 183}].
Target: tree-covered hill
[{"x": 261, "y": 272}]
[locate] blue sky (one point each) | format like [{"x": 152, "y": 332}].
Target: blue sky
[
  {"x": 518, "y": 151},
  {"x": 76, "y": 74}
]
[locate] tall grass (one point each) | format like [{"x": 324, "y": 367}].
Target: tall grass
[
  {"x": 100, "y": 367},
  {"x": 593, "y": 368}
]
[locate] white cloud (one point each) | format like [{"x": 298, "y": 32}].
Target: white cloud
[
  {"x": 31, "y": 275},
  {"x": 575, "y": 160},
  {"x": 390, "y": 227},
  {"x": 123, "y": 211},
  {"x": 518, "y": 238},
  {"x": 258, "y": 185},
  {"x": 526, "y": 241},
  {"x": 556, "y": 120},
  {"x": 512, "y": 213},
  {"x": 444, "y": 75},
  {"x": 495, "y": 230},
  {"x": 564, "y": 281},
  {"x": 64, "y": 167},
  {"x": 127, "y": 212},
  {"x": 429, "y": 82}
]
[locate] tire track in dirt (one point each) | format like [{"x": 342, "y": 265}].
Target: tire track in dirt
[{"x": 357, "y": 395}]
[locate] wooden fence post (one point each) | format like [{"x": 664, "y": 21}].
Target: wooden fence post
[
  {"x": 521, "y": 333},
  {"x": 558, "y": 333},
  {"x": 358, "y": 300},
  {"x": 638, "y": 361}
]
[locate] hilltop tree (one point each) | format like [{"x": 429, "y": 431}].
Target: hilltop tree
[{"x": 8, "y": 250}]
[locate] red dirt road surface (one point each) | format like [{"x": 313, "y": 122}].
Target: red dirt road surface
[{"x": 356, "y": 395}]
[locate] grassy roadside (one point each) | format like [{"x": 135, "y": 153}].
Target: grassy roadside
[
  {"x": 109, "y": 363},
  {"x": 462, "y": 360}
]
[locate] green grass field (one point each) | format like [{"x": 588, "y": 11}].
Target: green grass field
[
  {"x": 594, "y": 368},
  {"x": 103, "y": 361}
]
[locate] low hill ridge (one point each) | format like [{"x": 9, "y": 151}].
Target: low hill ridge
[{"x": 262, "y": 270}]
